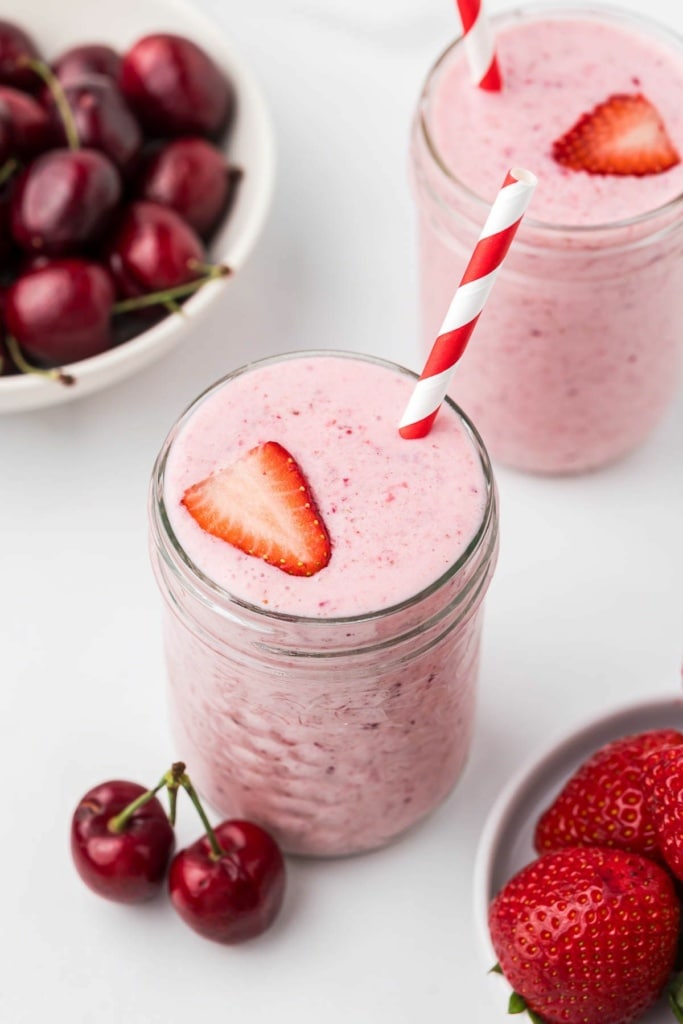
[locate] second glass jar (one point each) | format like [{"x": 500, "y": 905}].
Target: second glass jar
[{"x": 577, "y": 354}]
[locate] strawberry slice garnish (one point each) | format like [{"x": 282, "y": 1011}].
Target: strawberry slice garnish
[
  {"x": 623, "y": 135},
  {"x": 262, "y": 504}
]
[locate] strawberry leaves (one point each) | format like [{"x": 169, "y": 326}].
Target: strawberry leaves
[
  {"x": 518, "y": 1004},
  {"x": 675, "y": 996}
]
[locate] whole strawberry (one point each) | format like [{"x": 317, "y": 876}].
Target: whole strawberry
[
  {"x": 663, "y": 781},
  {"x": 586, "y": 935},
  {"x": 604, "y": 802}
]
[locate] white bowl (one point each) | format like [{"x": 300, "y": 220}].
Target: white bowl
[
  {"x": 250, "y": 146},
  {"x": 506, "y": 843}
]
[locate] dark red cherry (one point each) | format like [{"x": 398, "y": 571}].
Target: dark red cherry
[
  {"x": 235, "y": 896},
  {"x": 29, "y": 121},
  {"x": 192, "y": 177},
  {"x": 64, "y": 201},
  {"x": 103, "y": 120},
  {"x": 175, "y": 88},
  {"x": 8, "y": 248},
  {"x": 89, "y": 59},
  {"x": 7, "y": 366},
  {"x": 15, "y": 44},
  {"x": 61, "y": 312},
  {"x": 153, "y": 249},
  {"x": 33, "y": 261},
  {"x": 6, "y": 135},
  {"x": 129, "y": 865}
]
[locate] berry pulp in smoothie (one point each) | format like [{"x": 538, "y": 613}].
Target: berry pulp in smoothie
[
  {"x": 575, "y": 357},
  {"x": 336, "y": 709}
]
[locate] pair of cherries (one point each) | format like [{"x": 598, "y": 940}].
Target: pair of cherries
[{"x": 228, "y": 885}]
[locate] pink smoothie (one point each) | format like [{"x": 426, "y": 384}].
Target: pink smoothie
[
  {"x": 399, "y": 514},
  {"x": 575, "y": 357},
  {"x": 336, "y": 709}
]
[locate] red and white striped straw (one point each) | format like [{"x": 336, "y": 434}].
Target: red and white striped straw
[
  {"x": 479, "y": 45},
  {"x": 472, "y": 292}
]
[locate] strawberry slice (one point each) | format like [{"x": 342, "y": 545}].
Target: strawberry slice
[
  {"x": 623, "y": 135},
  {"x": 262, "y": 504}
]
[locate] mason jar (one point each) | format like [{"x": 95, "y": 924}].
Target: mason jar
[
  {"x": 577, "y": 354},
  {"x": 335, "y": 733}
]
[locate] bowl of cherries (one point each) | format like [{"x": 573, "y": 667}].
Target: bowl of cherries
[{"x": 136, "y": 171}]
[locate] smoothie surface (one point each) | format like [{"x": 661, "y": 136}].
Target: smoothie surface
[
  {"x": 555, "y": 70},
  {"x": 399, "y": 513}
]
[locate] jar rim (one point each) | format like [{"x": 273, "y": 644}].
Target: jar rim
[
  {"x": 557, "y": 9},
  {"x": 207, "y": 589}
]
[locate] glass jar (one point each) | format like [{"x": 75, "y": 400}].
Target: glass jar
[
  {"x": 336, "y": 734},
  {"x": 576, "y": 356}
]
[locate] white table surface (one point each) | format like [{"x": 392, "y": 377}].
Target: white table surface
[{"x": 584, "y": 613}]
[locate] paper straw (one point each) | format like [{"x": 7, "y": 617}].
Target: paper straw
[
  {"x": 477, "y": 281},
  {"x": 479, "y": 45}
]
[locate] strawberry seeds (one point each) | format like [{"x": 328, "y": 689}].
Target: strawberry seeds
[
  {"x": 587, "y": 933},
  {"x": 262, "y": 504},
  {"x": 624, "y": 135}
]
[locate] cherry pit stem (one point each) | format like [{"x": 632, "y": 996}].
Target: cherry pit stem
[
  {"x": 216, "y": 849},
  {"x": 170, "y": 295},
  {"x": 175, "y": 775},
  {"x": 171, "y": 780},
  {"x": 174, "y": 307},
  {"x": 22, "y": 363},
  {"x": 119, "y": 822},
  {"x": 45, "y": 72},
  {"x": 9, "y": 168}
]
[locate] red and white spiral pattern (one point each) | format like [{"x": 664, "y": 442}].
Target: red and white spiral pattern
[
  {"x": 479, "y": 45},
  {"x": 477, "y": 281}
]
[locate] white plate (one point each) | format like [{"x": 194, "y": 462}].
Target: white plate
[
  {"x": 506, "y": 840},
  {"x": 250, "y": 146}
]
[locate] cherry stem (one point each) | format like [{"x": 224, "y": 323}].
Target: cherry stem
[
  {"x": 23, "y": 364},
  {"x": 119, "y": 822},
  {"x": 216, "y": 850},
  {"x": 170, "y": 295},
  {"x": 45, "y": 72},
  {"x": 172, "y": 783},
  {"x": 174, "y": 307},
  {"x": 8, "y": 169},
  {"x": 209, "y": 269},
  {"x": 172, "y": 803}
]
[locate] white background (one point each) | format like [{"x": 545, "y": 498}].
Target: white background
[{"x": 583, "y": 616}]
